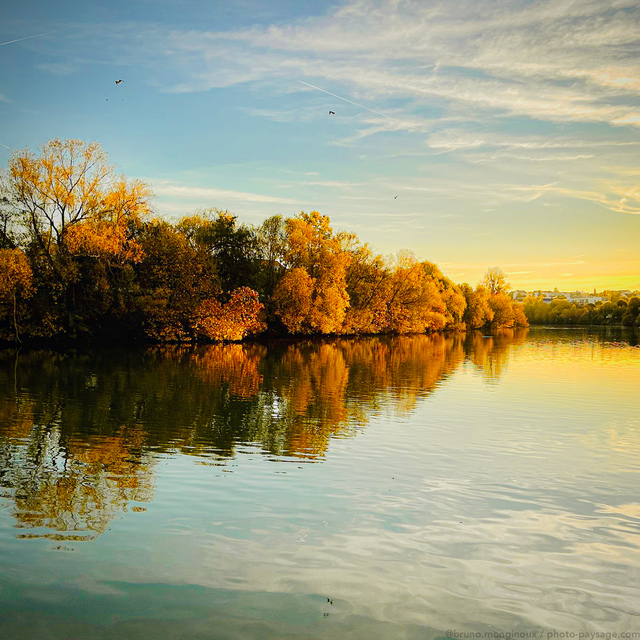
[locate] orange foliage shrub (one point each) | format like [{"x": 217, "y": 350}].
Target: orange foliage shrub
[{"x": 236, "y": 319}]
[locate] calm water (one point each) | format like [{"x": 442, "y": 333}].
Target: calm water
[{"x": 366, "y": 489}]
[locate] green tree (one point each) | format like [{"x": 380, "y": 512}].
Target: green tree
[
  {"x": 271, "y": 239},
  {"x": 172, "y": 280},
  {"x": 232, "y": 247}
]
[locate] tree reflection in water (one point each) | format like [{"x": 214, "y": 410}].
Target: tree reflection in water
[{"x": 80, "y": 432}]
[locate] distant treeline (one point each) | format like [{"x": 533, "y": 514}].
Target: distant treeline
[
  {"x": 81, "y": 255},
  {"x": 625, "y": 312}
]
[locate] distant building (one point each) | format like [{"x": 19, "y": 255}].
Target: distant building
[
  {"x": 587, "y": 299},
  {"x": 578, "y": 298}
]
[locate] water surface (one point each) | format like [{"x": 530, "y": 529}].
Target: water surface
[{"x": 374, "y": 488}]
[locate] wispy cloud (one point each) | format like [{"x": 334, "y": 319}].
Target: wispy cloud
[
  {"x": 461, "y": 140},
  {"x": 550, "y": 60},
  {"x": 340, "y": 184},
  {"x": 556, "y": 61},
  {"x": 59, "y": 68},
  {"x": 165, "y": 189}
]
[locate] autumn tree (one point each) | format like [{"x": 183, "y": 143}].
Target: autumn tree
[
  {"x": 367, "y": 277},
  {"x": 490, "y": 304},
  {"x": 232, "y": 320},
  {"x": 71, "y": 184},
  {"x": 75, "y": 211},
  {"x": 503, "y": 315},
  {"x": 78, "y": 241},
  {"x": 478, "y": 312},
  {"x": 16, "y": 280},
  {"x": 495, "y": 281},
  {"x": 414, "y": 304},
  {"x": 318, "y": 263},
  {"x": 519, "y": 316},
  {"x": 293, "y": 300},
  {"x": 451, "y": 294}
]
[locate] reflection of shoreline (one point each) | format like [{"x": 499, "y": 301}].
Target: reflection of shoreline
[
  {"x": 75, "y": 489},
  {"x": 79, "y": 432},
  {"x": 489, "y": 353}
]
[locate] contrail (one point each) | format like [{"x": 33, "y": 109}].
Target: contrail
[
  {"x": 384, "y": 115},
  {"x": 39, "y": 35},
  {"x": 5, "y": 146}
]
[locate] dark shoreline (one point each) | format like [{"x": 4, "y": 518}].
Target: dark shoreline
[{"x": 65, "y": 344}]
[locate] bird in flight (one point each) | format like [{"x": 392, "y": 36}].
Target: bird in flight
[
  {"x": 395, "y": 197},
  {"x": 119, "y": 81},
  {"x": 332, "y": 113}
]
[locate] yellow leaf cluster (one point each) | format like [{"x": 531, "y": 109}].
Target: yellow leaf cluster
[
  {"x": 102, "y": 239},
  {"x": 69, "y": 184},
  {"x": 16, "y": 275}
]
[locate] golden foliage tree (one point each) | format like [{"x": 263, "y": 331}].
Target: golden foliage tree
[
  {"x": 451, "y": 294},
  {"x": 414, "y": 304},
  {"x": 293, "y": 299},
  {"x": 478, "y": 312},
  {"x": 312, "y": 248},
  {"x": 503, "y": 316},
  {"x": 519, "y": 316},
  {"x": 495, "y": 281},
  {"x": 70, "y": 184},
  {"x": 367, "y": 278},
  {"x": 16, "y": 282},
  {"x": 94, "y": 263},
  {"x": 76, "y": 213}
]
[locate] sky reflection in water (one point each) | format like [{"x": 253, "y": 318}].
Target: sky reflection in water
[{"x": 422, "y": 484}]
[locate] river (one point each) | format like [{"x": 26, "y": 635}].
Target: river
[{"x": 374, "y": 488}]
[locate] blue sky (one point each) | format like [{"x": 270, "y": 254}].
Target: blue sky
[{"x": 509, "y": 130}]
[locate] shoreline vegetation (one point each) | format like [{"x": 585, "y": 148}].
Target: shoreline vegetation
[{"x": 82, "y": 258}]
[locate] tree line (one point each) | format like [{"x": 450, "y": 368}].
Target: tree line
[
  {"x": 616, "y": 311},
  {"x": 82, "y": 256}
]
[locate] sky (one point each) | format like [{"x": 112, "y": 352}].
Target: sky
[{"x": 474, "y": 133}]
